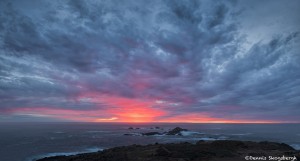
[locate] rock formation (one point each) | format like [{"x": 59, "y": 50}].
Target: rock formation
[{"x": 225, "y": 150}]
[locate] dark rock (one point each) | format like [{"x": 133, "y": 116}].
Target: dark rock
[
  {"x": 132, "y": 134},
  {"x": 256, "y": 154},
  {"x": 265, "y": 145},
  {"x": 130, "y": 128},
  {"x": 151, "y": 133},
  {"x": 176, "y": 131},
  {"x": 162, "y": 151},
  {"x": 200, "y": 142},
  {"x": 222, "y": 153},
  {"x": 226, "y": 150},
  {"x": 229, "y": 144}
]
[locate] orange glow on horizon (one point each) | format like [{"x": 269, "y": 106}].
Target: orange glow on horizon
[
  {"x": 206, "y": 118},
  {"x": 138, "y": 115},
  {"x": 129, "y": 110}
]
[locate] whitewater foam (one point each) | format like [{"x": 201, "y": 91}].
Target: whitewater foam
[
  {"x": 241, "y": 134},
  {"x": 97, "y": 131},
  {"x": 295, "y": 146},
  {"x": 190, "y": 133},
  {"x": 58, "y": 132},
  {"x": 88, "y": 150}
]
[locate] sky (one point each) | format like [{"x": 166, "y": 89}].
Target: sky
[{"x": 150, "y": 61}]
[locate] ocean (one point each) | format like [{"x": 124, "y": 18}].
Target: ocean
[{"x": 30, "y": 141}]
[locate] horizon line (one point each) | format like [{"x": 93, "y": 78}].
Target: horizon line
[{"x": 154, "y": 122}]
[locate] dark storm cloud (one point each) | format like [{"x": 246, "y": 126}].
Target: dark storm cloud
[{"x": 193, "y": 55}]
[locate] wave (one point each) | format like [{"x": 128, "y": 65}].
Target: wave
[
  {"x": 97, "y": 131},
  {"x": 88, "y": 150},
  {"x": 133, "y": 134},
  {"x": 190, "y": 133},
  {"x": 295, "y": 146},
  {"x": 205, "y": 138},
  {"x": 240, "y": 134}
]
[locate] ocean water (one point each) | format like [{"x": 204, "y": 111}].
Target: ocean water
[{"x": 30, "y": 141}]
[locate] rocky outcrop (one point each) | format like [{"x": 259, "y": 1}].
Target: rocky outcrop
[
  {"x": 176, "y": 131},
  {"x": 131, "y": 128},
  {"x": 151, "y": 133},
  {"x": 225, "y": 150}
]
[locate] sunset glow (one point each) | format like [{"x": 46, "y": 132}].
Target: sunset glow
[
  {"x": 124, "y": 114},
  {"x": 160, "y": 61}
]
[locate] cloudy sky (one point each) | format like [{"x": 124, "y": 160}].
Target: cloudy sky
[{"x": 150, "y": 61}]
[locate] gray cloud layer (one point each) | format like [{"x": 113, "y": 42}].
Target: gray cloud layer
[{"x": 198, "y": 55}]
